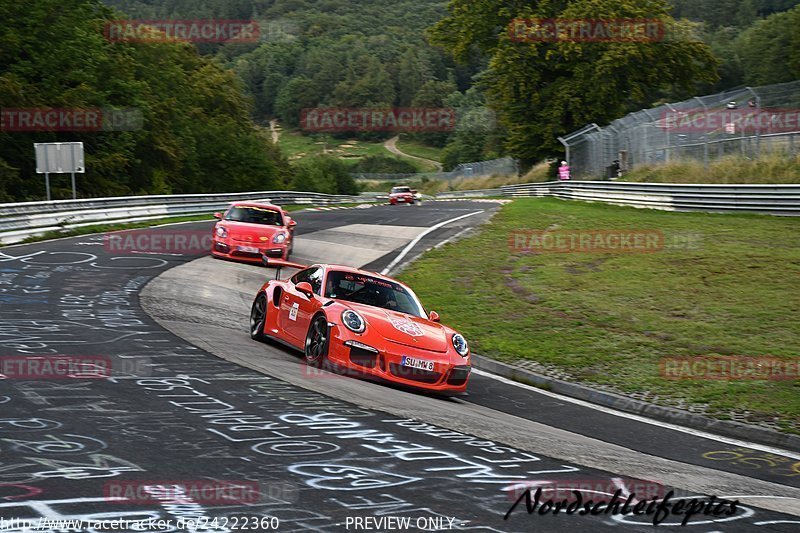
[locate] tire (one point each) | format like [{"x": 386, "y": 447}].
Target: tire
[
  {"x": 258, "y": 318},
  {"x": 317, "y": 339}
]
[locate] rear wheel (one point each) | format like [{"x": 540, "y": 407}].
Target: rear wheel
[
  {"x": 317, "y": 342},
  {"x": 258, "y": 318}
]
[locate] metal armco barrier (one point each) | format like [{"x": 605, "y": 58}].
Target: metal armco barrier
[
  {"x": 19, "y": 221},
  {"x": 765, "y": 199},
  {"x": 478, "y": 193}
]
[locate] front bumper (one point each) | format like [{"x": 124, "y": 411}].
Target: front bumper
[
  {"x": 231, "y": 249},
  {"x": 402, "y": 200},
  {"x": 450, "y": 373}
]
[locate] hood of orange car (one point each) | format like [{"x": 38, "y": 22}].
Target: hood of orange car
[
  {"x": 402, "y": 328},
  {"x": 255, "y": 233}
]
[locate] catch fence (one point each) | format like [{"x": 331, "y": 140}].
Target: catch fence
[
  {"x": 749, "y": 122},
  {"x": 505, "y": 166}
]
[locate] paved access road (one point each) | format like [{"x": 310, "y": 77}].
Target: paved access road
[{"x": 322, "y": 450}]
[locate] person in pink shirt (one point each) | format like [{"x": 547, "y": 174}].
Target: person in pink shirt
[{"x": 563, "y": 171}]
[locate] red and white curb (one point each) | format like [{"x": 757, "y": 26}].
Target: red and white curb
[{"x": 336, "y": 207}]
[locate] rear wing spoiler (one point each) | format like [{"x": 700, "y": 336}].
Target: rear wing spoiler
[{"x": 278, "y": 264}]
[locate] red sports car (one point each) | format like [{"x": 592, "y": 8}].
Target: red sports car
[
  {"x": 361, "y": 321},
  {"x": 247, "y": 231},
  {"x": 402, "y": 195}
]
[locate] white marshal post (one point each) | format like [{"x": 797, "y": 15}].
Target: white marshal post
[{"x": 59, "y": 158}]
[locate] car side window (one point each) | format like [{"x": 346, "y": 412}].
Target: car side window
[
  {"x": 315, "y": 279},
  {"x": 301, "y": 276},
  {"x": 311, "y": 275}
]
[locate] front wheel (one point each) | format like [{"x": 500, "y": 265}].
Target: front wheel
[
  {"x": 317, "y": 342},
  {"x": 258, "y": 318}
]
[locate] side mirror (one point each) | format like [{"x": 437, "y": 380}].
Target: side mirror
[
  {"x": 218, "y": 216},
  {"x": 292, "y": 224},
  {"x": 305, "y": 288},
  {"x": 434, "y": 316}
]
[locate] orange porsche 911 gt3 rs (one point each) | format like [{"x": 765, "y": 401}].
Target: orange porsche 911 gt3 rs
[
  {"x": 364, "y": 322},
  {"x": 247, "y": 231}
]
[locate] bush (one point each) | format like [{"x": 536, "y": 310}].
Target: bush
[{"x": 323, "y": 174}]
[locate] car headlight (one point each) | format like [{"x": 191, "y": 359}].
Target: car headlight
[
  {"x": 353, "y": 321},
  {"x": 221, "y": 231},
  {"x": 279, "y": 238},
  {"x": 460, "y": 344}
]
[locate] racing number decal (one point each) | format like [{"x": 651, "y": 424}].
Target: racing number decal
[{"x": 293, "y": 312}]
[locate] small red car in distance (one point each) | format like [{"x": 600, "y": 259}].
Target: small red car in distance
[
  {"x": 402, "y": 195},
  {"x": 248, "y": 231},
  {"x": 364, "y": 322}
]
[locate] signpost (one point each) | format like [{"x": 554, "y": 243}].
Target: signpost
[{"x": 59, "y": 158}]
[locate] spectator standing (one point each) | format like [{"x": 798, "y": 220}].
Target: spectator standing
[{"x": 563, "y": 171}]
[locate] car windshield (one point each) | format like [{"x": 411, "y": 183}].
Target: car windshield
[
  {"x": 368, "y": 290},
  {"x": 400, "y": 189},
  {"x": 254, "y": 215}
]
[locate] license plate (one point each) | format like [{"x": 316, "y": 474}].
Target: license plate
[
  {"x": 417, "y": 363},
  {"x": 248, "y": 249}
]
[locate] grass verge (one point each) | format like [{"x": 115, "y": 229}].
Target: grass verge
[
  {"x": 298, "y": 146},
  {"x": 102, "y": 228},
  {"x": 723, "y": 285},
  {"x": 766, "y": 170},
  {"x": 417, "y": 149}
]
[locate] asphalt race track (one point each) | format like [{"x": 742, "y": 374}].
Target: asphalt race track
[{"x": 192, "y": 398}]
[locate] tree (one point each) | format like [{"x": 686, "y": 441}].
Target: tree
[
  {"x": 542, "y": 90},
  {"x": 300, "y": 93},
  {"x": 477, "y": 136},
  {"x": 412, "y": 72},
  {"x": 366, "y": 83},
  {"x": 770, "y": 49},
  {"x": 196, "y": 134},
  {"x": 324, "y": 174}
]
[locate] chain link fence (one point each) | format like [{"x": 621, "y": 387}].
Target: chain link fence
[
  {"x": 748, "y": 122},
  {"x": 505, "y": 166}
]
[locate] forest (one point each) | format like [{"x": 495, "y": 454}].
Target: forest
[{"x": 205, "y": 106}]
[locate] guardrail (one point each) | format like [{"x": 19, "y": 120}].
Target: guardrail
[
  {"x": 19, "y": 221},
  {"x": 476, "y": 193},
  {"x": 765, "y": 199}
]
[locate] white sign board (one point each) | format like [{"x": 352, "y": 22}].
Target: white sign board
[{"x": 59, "y": 158}]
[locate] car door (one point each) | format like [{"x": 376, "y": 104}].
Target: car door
[{"x": 296, "y": 308}]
